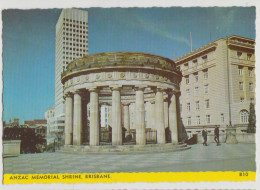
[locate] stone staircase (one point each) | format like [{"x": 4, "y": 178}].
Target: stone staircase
[{"x": 123, "y": 149}]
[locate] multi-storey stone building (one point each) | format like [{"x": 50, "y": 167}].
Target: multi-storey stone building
[
  {"x": 71, "y": 42},
  {"x": 213, "y": 74}
]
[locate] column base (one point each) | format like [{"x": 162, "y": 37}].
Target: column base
[{"x": 231, "y": 135}]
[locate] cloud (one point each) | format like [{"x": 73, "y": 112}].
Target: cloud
[{"x": 161, "y": 29}]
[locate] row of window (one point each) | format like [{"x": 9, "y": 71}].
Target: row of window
[
  {"x": 251, "y": 86},
  {"x": 74, "y": 40},
  {"x": 75, "y": 35},
  {"x": 250, "y": 71},
  {"x": 243, "y": 118},
  {"x": 198, "y": 120},
  {"x": 74, "y": 21},
  {"x": 75, "y": 26},
  {"x": 77, "y": 54},
  {"x": 74, "y": 44},
  {"x": 197, "y": 103},
  {"x": 74, "y": 30},
  {"x": 196, "y": 91},
  {"x": 195, "y": 62},
  {"x": 248, "y": 57},
  {"x": 78, "y": 45},
  {"x": 196, "y": 76},
  {"x": 242, "y": 99},
  {"x": 71, "y": 58}
]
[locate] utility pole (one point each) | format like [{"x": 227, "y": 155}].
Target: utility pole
[
  {"x": 230, "y": 130},
  {"x": 190, "y": 43}
]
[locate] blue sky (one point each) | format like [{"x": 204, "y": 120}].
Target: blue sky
[{"x": 29, "y": 44}]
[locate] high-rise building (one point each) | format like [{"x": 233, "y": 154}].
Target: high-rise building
[
  {"x": 213, "y": 74},
  {"x": 71, "y": 42}
]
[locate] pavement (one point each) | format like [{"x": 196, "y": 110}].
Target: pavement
[{"x": 227, "y": 157}]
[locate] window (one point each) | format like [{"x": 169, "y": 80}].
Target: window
[
  {"x": 242, "y": 99},
  {"x": 188, "y": 93},
  {"x": 205, "y": 58},
  {"x": 208, "y": 119},
  {"x": 250, "y": 72},
  {"x": 249, "y": 57},
  {"x": 189, "y": 121},
  {"x": 251, "y": 87},
  {"x": 244, "y": 116},
  {"x": 196, "y": 77},
  {"x": 195, "y": 62},
  {"x": 187, "y": 80},
  {"x": 240, "y": 69},
  {"x": 222, "y": 118},
  {"x": 198, "y": 120},
  {"x": 241, "y": 88},
  {"x": 188, "y": 106},
  {"x": 239, "y": 54},
  {"x": 196, "y": 91},
  {"x": 206, "y": 89},
  {"x": 197, "y": 105},
  {"x": 180, "y": 107},
  {"x": 251, "y": 100},
  {"x": 206, "y": 74},
  {"x": 207, "y": 103},
  {"x": 186, "y": 65}
]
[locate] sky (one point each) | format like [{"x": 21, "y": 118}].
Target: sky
[{"x": 29, "y": 44}]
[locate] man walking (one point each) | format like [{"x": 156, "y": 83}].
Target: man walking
[
  {"x": 216, "y": 133},
  {"x": 204, "y": 135}
]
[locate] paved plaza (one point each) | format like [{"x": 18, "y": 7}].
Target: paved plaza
[{"x": 227, "y": 157}]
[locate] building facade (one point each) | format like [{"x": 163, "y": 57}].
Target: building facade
[
  {"x": 213, "y": 74},
  {"x": 71, "y": 42}
]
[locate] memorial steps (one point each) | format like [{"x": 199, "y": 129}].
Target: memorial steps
[{"x": 123, "y": 149}]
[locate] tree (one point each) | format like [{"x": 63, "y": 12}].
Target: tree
[{"x": 252, "y": 119}]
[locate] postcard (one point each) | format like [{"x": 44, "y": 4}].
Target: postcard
[{"x": 158, "y": 95}]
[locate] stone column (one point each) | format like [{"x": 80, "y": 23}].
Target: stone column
[
  {"x": 140, "y": 117},
  {"x": 94, "y": 118},
  {"x": 166, "y": 113},
  {"x": 173, "y": 119},
  {"x": 68, "y": 118},
  {"x": 116, "y": 117},
  {"x": 159, "y": 116},
  {"x": 153, "y": 126},
  {"x": 77, "y": 118},
  {"x": 126, "y": 118}
]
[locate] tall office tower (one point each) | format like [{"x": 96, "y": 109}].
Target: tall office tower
[
  {"x": 214, "y": 75},
  {"x": 71, "y": 43}
]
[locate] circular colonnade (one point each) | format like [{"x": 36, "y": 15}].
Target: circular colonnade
[{"x": 116, "y": 79}]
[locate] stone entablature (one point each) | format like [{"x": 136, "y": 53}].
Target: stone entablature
[
  {"x": 196, "y": 53},
  {"x": 116, "y": 79},
  {"x": 130, "y": 61}
]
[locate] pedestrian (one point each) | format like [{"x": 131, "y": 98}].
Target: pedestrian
[
  {"x": 216, "y": 133},
  {"x": 204, "y": 135}
]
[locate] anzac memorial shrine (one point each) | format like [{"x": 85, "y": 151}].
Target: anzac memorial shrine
[{"x": 146, "y": 83}]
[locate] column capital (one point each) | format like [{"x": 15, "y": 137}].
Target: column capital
[
  {"x": 152, "y": 101},
  {"x": 159, "y": 89},
  {"x": 115, "y": 87},
  {"x": 78, "y": 91},
  {"x": 140, "y": 87},
  {"x": 126, "y": 103},
  {"x": 93, "y": 89},
  {"x": 173, "y": 92},
  {"x": 68, "y": 95}
]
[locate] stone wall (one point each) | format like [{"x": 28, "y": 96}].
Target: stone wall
[{"x": 12, "y": 147}]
